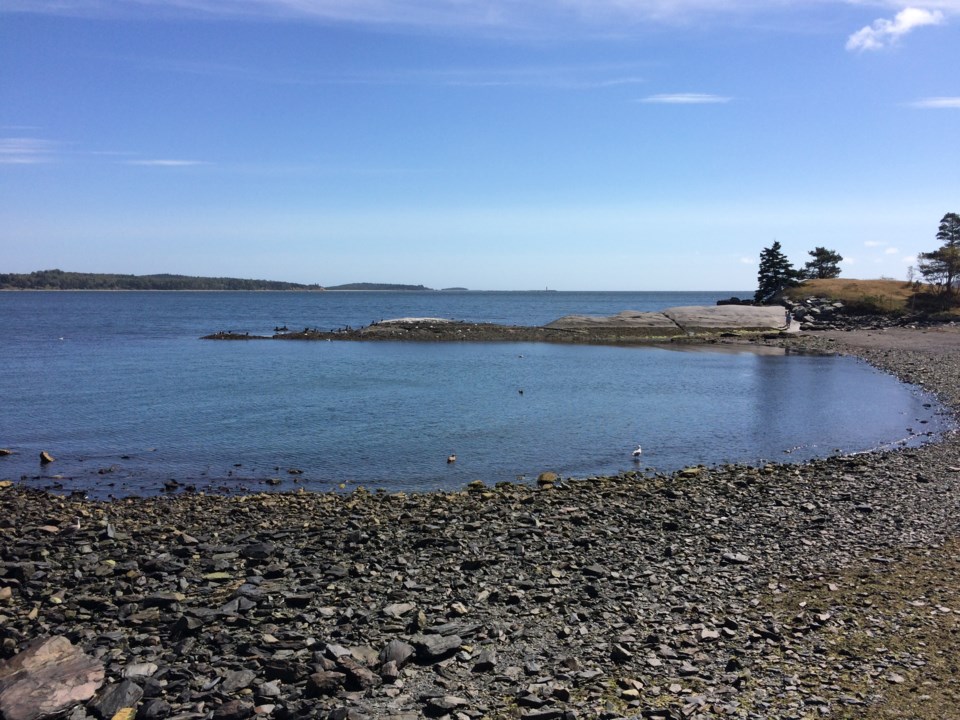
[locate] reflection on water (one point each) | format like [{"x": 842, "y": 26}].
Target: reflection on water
[{"x": 123, "y": 412}]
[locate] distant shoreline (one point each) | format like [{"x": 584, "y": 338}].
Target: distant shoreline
[
  {"x": 328, "y": 290},
  {"x": 159, "y": 290}
]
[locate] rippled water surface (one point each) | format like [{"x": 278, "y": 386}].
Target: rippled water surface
[{"x": 121, "y": 390}]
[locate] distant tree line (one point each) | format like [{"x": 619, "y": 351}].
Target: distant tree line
[
  {"x": 61, "y": 280},
  {"x": 377, "y": 286}
]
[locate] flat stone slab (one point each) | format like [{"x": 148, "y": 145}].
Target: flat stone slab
[
  {"x": 628, "y": 326},
  {"x": 688, "y": 319},
  {"x": 729, "y": 317},
  {"x": 625, "y": 319},
  {"x": 404, "y": 320}
]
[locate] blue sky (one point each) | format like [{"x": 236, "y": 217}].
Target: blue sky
[{"x": 573, "y": 144}]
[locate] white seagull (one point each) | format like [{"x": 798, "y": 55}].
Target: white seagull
[{"x": 638, "y": 452}]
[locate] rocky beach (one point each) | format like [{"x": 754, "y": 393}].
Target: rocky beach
[{"x": 825, "y": 589}]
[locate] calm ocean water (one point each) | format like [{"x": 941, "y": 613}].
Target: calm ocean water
[{"x": 121, "y": 390}]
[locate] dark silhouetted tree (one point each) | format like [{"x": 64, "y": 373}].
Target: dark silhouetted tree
[
  {"x": 776, "y": 274},
  {"x": 824, "y": 265},
  {"x": 942, "y": 266}
]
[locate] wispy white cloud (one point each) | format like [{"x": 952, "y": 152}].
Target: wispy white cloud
[
  {"x": 607, "y": 16},
  {"x": 35, "y": 151},
  {"x": 891, "y": 251},
  {"x": 516, "y": 18},
  {"x": 582, "y": 76},
  {"x": 884, "y": 32},
  {"x": 937, "y": 102},
  {"x": 26, "y": 151},
  {"x": 166, "y": 163},
  {"x": 561, "y": 77},
  {"x": 408, "y": 12},
  {"x": 686, "y": 99},
  {"x": 874, "y": 243},
  {"x": 748, "y": 260}
]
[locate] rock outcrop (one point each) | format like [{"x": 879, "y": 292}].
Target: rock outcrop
[{"x": 686, "y": 320}]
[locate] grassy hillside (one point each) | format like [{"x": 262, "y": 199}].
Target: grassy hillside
[{"x": 875, "y": 296}]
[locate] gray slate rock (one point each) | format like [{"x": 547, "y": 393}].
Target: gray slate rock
[
  {"x": 397, "y": 651},
  {"x": 325, "y": 683},
  {"x": 155, "y": 709},
  {"x": 116, "y": 697},
  {"x": 435, "y": 647},
  {"x": 234, "y": 710},
  {"x": 237, "y": 680}
]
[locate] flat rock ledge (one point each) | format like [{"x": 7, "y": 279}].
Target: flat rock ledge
[
  {"x": 686, "y": 320},
  {"x": 824, "y": 589},
  {"x": 627, "y": 326}
]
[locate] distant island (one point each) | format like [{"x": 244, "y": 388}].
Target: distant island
[
  {"x": 379, "y": 286},
  {"x": 61, "y": 280}
]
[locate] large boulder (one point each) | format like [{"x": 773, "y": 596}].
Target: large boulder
[{"x": 48, "y": 677}]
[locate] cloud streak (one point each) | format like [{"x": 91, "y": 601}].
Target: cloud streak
[
  {"x": 497, "y": 15},
  {"x": 26, "y": 151},
  {"x": 883, "y": 33},
  {"x": 515, "y": 18},
  {"x": 166, "y": 163},
  {"x": 584, "y": 76},
  {"x": 937, "y": 103},
  {"x": 685, "y": 99}
]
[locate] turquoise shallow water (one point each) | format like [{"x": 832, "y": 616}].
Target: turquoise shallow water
[{"x": 119, "y": 388}]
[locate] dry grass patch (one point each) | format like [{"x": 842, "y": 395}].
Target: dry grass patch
[
  {"x": 876, "y": 296},
  {"x": 899, "y": 624},
  {"x": 880, "y": 295}
]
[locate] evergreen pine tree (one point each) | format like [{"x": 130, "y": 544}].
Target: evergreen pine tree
[
  {"x": 776, "y": 274},
  {"x": 824, "y": 265},
  {"x": 942, "y": 266}
]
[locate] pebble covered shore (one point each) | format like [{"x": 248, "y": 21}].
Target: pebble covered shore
[{"x": 826, "y": 589}]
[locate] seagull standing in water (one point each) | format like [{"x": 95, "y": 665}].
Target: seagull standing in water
[{"x": 637, "y": 453}]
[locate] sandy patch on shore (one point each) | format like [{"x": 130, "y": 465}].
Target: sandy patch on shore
[{"x": 937, "y": 339}]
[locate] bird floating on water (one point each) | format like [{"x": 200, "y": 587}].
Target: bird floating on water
[
  {"x": 451, "y": 458},
  {"x": 638, "y": 452}
]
